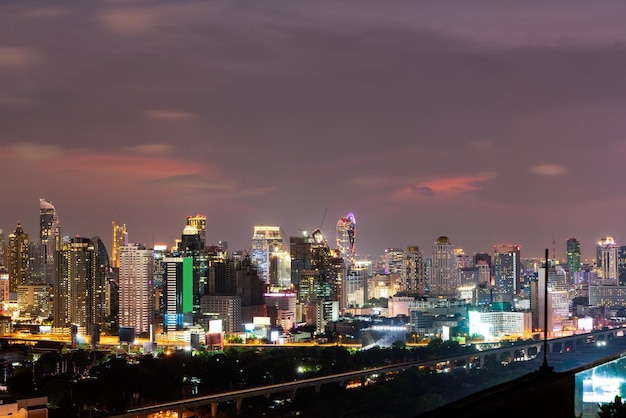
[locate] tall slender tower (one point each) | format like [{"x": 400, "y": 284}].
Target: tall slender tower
[
  {"x": 346, "y": 233},
  {"x": 120, "y": 238},
  {"x": 136, "y": 299},
  {"x": 608, "y": 260},
  {"x": 17, "y": 258},
  {"x": 412, "y": 275},
  {"x": 49, "y": 236},
  {"x": 443, "y": 281},
  {"x": 573, "y": 256},
  {"x": 267, "y": 244},
  {"x": 507, "y": 268}
]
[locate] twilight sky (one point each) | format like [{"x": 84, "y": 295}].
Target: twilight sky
[{"x": 485, "y": 121}]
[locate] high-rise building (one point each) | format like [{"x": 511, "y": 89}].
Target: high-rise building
[
  {"x": 393, "y": 260},
  {"x": 267, "y": 244},
  {"x": 80, "y": 286},
  {"x": 608, "y": 261},
  {"x": 3, "y": 245},
  {"x": 507, "y": 268},
  {"x": 573, "y": 256},
  {"x": 177, "y": 292},
  {"x": 199, "y": 222},
  {"x": 412, "y": 280},
  {"x": 49, "y": 237},
  {"x": 17, "y": 258},
  {"x": 317, "y": 273},
  {"x": 120, "y": 238},
  {"x": 136, "y": 295},
  {"x": 346, "y": 233},
  {"x": 443, "y": 280}
]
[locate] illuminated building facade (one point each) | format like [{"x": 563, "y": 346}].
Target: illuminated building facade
[
  {"x": 120, "y": 238},
  {"x": 177, "y": 292},
  {"x": 346, "y": 233},
  {"x": 224, "y": 307},
  {"x": 392, "y": 260},
  {"x": 493, "y": 325},
  {"x": 267, "y": 244},
  {"x": 573, "y": 255},
  {"x": 608, "y": 261},
  {"x": 443, "y": 281},
  {"x": 49, "y": 236},
  {"x": 199, "y": 222},
  {"x": 34, "y": 300},
  {"x": 507, "y": 268},
  {"x": 607, "y": 296},
  {"x": 136, "y": 294},
  {"x": 412, "y": 279},
  {"x": 80, "y": 284},
  {"x": 17, "y": 258}
]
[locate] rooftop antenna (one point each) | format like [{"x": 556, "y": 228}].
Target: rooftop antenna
[
  {"x": 323, "y": 218},
  {"x": 544, "y": 367}
]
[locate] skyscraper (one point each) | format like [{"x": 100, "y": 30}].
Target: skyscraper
[
  {"x": 267, "y": 244},
  {"x": 573, "y": 256},
  {"x": 443, "y": 281},
  {"x": 80, "y": 284},
  {"x": 507, "y": 268},
  {"x": 412, "y": 274},
  {"x": 608, "y": 260},
  {"x": 199, "y": 222},
  {"x": 346, "y": 233},
  {"x": 49, "y": 236},
  {"x": 177, "y": 292},
  {"x": 393, "y": 259},
  {"x": 120, "y": 238},
  {"x": 17, "y": 258},
  {"x": 136, "y": 296}
]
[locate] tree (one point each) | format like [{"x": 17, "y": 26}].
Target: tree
[{"x": 615, "y": 409}]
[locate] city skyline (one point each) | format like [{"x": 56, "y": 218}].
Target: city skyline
[{"x": 486, "y": 123}]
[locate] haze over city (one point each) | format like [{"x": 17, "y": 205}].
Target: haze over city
[{"x": 485, "y": 122}]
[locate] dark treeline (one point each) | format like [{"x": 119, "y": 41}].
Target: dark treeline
[{"x": 89, "y": 383}]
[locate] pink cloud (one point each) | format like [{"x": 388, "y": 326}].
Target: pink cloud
[{"x": 443, "y": 186}]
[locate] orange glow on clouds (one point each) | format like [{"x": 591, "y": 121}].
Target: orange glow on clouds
[{"x": 443, "y": 186}]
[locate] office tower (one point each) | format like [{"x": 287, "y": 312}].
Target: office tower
[
  {"x": 17, "y": 258},
  {"x": 191, "y": 245},
  {"x": 49, "y": 237},
  {"x": 80, "y": 286},
  {"x": 621, "y": 268},
  {"x": 267, "y": 244},
  {"x": 34, "y": 300},
  {"x": 199, "y": 222},
  {"x": 36, "y": 263},
  {"x": 355, "y": 283},
  {"x": 484, "y": 273},
  {"x": 316, "y": 271},
  {"x": 443, "y": 280},
  {"x": 393, "y": 259},
  {"x": 2, "y": 249},
  {"x": 4, "y": 284},
  {"x": 346, "y": 232},
  {"x": 120, "y": 238},
  {"x": 224, "y": 307},
  {"x": 507, "y": 268},
  {"x": 412, "y": 280},
  {"x": 573, "y": 256},
  {"x": 177, "y": 292},
  {"x": 136, "y": 295},
  {"x": 608, "y": 261}
]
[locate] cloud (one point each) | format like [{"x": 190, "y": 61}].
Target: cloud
[
  {"x": 35, "y": 152},
  {"x": 18, "y": 57},
  {"x": 151, "y": 149},
  {"x": 549, "y": 170},
  {"x": 444, "y": 186},
  {"x": 128, "y": 21},
  {"x": 168, "y": 115}
]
